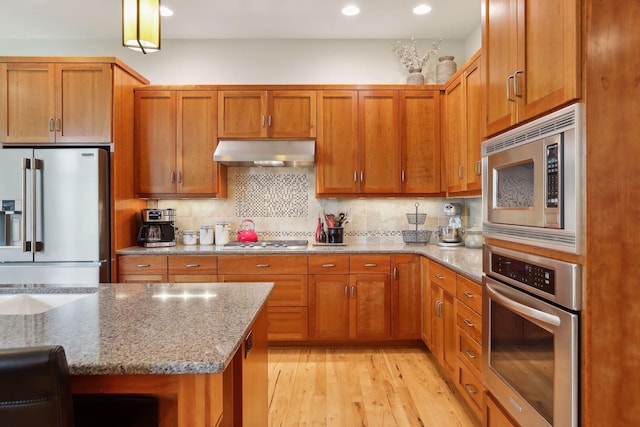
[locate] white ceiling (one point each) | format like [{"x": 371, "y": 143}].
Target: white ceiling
[{"x": 244, "y": 19}]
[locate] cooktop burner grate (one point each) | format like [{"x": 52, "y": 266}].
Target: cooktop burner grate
[{"x": 270, "y": 244}]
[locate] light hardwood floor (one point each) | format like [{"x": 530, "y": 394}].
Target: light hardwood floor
[{"x": 361, "y": 387}]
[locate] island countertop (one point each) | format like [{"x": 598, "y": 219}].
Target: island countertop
[{"x": 125, "y": 329}]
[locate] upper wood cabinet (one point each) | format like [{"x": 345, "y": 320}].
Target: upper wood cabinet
[
  {"x": 532, "y": 58},
  {"x": 420, "y": 141},
  {"x": 463, "y": 109},
  {"x": 175, "y": 137},
  {"x": 55, "y": 102},
  {"x": 267, "y": 114}
]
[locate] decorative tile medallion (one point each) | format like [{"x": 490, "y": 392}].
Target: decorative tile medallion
[{"x": 272, "y": 195}]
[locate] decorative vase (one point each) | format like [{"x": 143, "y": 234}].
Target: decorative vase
[
  {"x": 415, "y": 77},
  {"x": 445, "y": 69}
]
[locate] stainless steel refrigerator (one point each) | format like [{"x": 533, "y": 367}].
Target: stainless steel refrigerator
[{"x": 54, "y": 222}]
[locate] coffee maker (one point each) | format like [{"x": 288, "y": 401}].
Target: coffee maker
[{"x": 157, "y": 229}]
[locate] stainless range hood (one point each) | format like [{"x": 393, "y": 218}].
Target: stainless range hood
[{"x": 265, "y": 153}]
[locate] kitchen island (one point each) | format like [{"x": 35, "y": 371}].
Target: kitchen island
[{"x": 174, "y": 341}]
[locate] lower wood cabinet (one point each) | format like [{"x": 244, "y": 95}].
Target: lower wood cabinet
[
  {"x": 495, "y": 416},
  {"x": 142, "y": 269},
  {"x": 405, "y": 296},
  {"x": 443, "y": 319},
  {"x": 192, "y": 268}
]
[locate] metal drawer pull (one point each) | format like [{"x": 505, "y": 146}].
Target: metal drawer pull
[
  {"x": 143, "y": 265},
  {"x": 263, "y": 265},
  {"x": 328, "y": 265},
  {"x": 470, "y": 389},
  {"x": 370, "y": 265},
  {"x": 470, "y": 355},
  {"x": 440, "y": 276},
  {"x": 192, "y": 265},
  {"x": 468, "y": 294},
  {"x": 468, "y": 323}
]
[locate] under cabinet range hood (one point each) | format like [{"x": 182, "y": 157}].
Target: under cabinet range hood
[{"x": 300, "y": 153}]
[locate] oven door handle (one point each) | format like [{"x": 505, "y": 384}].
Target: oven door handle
[{"x": 521, "y": 309}]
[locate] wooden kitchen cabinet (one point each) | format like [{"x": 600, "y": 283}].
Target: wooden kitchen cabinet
[
  {"x": 532, "y": 53},
  {"x": 420, "y": 142},
  {"x": 425, "y": 300},
  {"x": 192, "y": 268},
  {"x": 44, "y": 102},
  {"x": 142, "y": 269},
  {"x": 495, "y": 416},
  {"x": 175, "y": 137},
  {"x": 288, "y": 303},
  {"x": 463, "y": 109},
  {"x": 405, "y": 296},
  {"x": 443, "y": 319},
  {"x": 267, "y": 114}
]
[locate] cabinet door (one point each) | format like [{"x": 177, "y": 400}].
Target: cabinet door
[
  {"x": 426, "y": 302},
  {"x": 337, "y": 145},
  {"x": 291, "y": 114},
  {"x": 83, "y": 103},
  {"x": 379, "y": 146},
  {"x": 242, "y": 114},
  {"x": 27, "y": 103},
  {"x": 474, "y": 103},
  {"x": 495, "y": 416},
  {"x": 455, "y": 135},
  {"x": 499, "y": 48},
  {"x": 549, "y": 53},
  {"x": 437, "y": 325},
  {"x": 406, "y": 296},
  {"x": 449, "y": 335},
  {"x": 329, "y": 306},
  {"x": 155, "y": 142},
  {"x": 197, "y": 139},
  {"x": 370, "y": 306},
  {"x": 420, "y": 141}
]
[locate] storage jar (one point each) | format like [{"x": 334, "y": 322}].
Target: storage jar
[
  {"x": 189, "y": 237},
  {"x": 206, "y": 234}
]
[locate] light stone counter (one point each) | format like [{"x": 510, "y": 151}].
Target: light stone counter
[
  {"x": 465, "y": 261},
  {"x": 141, "y": 328}
]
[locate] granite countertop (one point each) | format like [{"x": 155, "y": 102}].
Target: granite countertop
[
  {"x": 463, "y": 260},
  {"x": 141, "y": 328}
]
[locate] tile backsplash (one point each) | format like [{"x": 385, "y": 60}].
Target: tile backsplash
[{"x": 282, "y": 204}]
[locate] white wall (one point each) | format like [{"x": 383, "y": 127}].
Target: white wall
[{"x": 254, "y": 61}]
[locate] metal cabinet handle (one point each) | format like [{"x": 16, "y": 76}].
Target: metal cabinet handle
[
  {"x": 479, "y": 167},
  {"x": 469, "y": 323},
  {"x": 328, "y": 265},
  {"x": 402, "y": 176},
  {"x": 395, "y": 273},
  {"x": 361, "y": 176},
  {"x": 515, "y": 84},
  {"x": 461, "y": 171},
  {"x": 192, "y": 265},
  {"x": 470, "y": 389},
  {"x": 51, "y": 127},
  {"x": 439, "y": 308},
  {"x": 509, "y": 98},
  {"x": 262, "y": 121},
  {"x": 346, "y": 292},
  {"x": 468, "y": 294},
  {"x": 143, "y": 265},
  {"x": 370, "y": 265},
  {"x": 269, "y": 122},
  {"x": 179, "y": 177},
  {"x": 353, "y": 292},
  {"x": 470, "y": 355},
  {"x": 355, "y": 176},
  {"x": 263, "y": 265},
  {"x": 58, "y": 125},
  {"x": 172, "y": 177},
  {"x": 440, "y": 276}
]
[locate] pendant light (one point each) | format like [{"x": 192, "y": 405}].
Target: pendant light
[{"x": 141, "y": 25}]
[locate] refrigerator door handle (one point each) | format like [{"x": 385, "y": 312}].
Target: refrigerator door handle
[
  {"x": 36, "y": 246},
  {"x": 26, "y": 245}
]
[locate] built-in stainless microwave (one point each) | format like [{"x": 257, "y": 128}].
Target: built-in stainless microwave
[{"x": 533, "y": 182}]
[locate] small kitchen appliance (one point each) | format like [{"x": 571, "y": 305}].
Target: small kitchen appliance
[
  {"x": 158, "y": 229},
  {"x": 451, "y": 234}
]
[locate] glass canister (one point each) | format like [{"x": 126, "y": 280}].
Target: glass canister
[
  {"x": 473, "y": 238},
  {"x": 189, "y": 237},
  {"x": 222, "y": 233},
  {"x": 206, "y": 234}
]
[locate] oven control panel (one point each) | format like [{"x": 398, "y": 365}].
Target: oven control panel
[{"x": 537, "y": 277}]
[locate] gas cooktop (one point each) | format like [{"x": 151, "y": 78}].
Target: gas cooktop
[{"x": 268, "y": 244}]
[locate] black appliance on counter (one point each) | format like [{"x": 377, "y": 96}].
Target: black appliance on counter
[{"x": 157, "y": 229}]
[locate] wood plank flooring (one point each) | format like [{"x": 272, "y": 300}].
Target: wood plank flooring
[{"x": 361, "y": 387}]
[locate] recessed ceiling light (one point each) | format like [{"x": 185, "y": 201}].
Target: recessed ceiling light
[
  {"x": 165, "y": 11},
  {"x": 422, "y": 9},
  {"x": 350, "y": 10}
]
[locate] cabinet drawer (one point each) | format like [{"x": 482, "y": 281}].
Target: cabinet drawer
[
  {"x": 193, "y": 264},
  {"x": 262, "y": 264},
  {"x": 470, "y": 293},
  {"x": 329, "y": 264},
  {"x": 142, "y": 264},
  {"x": 469, "y": 321},
  {"x": 288, "y": 323},
  {"x": 471, "y": 389},
  {"x": 365, "y": 264},
  {"x": 289, "y": 290},
  {"x": 469, "y": 351},
  {"x": 443, "y": 277}
]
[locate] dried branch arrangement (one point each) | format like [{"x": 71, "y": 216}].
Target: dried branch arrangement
[{"x": 410, "y": 57}]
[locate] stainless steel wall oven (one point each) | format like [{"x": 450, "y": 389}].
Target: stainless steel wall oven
[{"x": 531, "y": 336}]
